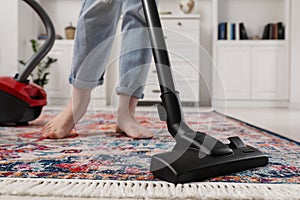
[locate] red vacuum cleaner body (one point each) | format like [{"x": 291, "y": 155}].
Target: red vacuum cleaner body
[{"x": 20, "y": 100}]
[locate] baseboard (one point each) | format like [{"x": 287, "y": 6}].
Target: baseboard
[
  {"x": 57, "y": 102},
  {"x": 249, "y": 104},
  {"x": 95, "y": 103},
  {"x": 294, "y": 105},
  {"x": 183, "y": 103}
]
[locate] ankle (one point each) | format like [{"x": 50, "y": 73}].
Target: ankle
[{"x": 127, "y": 106}]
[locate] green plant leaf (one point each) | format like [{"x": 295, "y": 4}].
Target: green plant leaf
[
  {"x": 22, "y": 62},
  {"x": 34, "y": 45},
  {"x": 40, "y": 75}
]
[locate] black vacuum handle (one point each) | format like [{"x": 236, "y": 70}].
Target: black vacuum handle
[
  {"x": 170, "y": 99},
  {"x": 42, "y": 52}
]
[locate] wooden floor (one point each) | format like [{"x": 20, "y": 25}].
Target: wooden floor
[{"x": 285, "y": 122}]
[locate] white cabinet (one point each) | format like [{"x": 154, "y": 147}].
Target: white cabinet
[
  {"x": 58, "y": 88},
  {"x": 270, "y": 73},
  {"x": 182, "y": 36},
  {"x": 234, "y": 67},
  {"x": 252, "y": 72}
]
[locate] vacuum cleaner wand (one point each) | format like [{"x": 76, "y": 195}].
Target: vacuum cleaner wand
[
  {"x": 42, "y": 52},
  {"x": 196, "y": 155}
]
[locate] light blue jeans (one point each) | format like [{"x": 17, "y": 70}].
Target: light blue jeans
[{"x": 93, "y": 42}]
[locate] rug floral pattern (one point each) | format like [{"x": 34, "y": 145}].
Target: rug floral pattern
[{"x": 99, "y": 153}]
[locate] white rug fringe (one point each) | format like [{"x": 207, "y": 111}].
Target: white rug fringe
[{"x": 145, "y": 189}]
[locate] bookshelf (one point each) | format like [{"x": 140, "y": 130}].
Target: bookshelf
[
  {"x": 251, "y": 42},
  {"x": 255, "y": 14},
  {"x": 252, "y": 72}
]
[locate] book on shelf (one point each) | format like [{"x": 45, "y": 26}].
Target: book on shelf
[
  {"x": 222, "y": 31},
  {"x": 243, "y": 32},
  {"x": 228, "y": 27},
  {"x": 271, "y": 31},
  {"x": 232, "y": 31},
  {"x": 274, "y": 31},
  {"x": 266, "y": 32},
  {"x": 281, "y": 32}
]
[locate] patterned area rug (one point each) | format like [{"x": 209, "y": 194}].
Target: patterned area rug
[{"x": 99, "y": 153}]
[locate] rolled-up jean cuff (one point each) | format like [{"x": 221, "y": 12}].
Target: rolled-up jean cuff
[
  {"x": 84, "y": 84},
  {"x": 130, "y": 92}
]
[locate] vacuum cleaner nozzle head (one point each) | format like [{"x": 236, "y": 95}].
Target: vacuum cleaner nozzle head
[{"x": 192, "y": 164}]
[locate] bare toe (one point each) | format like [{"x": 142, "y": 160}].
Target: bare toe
[
  {"x": 46, "y": 126},
  {"x": 46, "y": 129},
  {"x": 55, "y": 134}
]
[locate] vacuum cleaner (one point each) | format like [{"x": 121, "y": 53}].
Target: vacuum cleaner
[
  {"x": 196, "y": 156},
  {"x": 21, "y": 101}
]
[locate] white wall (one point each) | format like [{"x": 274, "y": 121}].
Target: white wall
[
  {"x": 17, "y": 28},
  {"x": 205, "y": 9},
  {"x": 61, "y": 14},
  {"x": 26, "y": 30},
  {"x": 295, "y": 54},
  {"x": 8, "y": 37}
]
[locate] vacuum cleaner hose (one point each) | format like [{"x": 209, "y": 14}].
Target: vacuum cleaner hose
[{"x": 42, "y": 52}]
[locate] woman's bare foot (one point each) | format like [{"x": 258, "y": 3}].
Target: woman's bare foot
[
  {"x": 61, "y": 126},
  {"x": 127, "y": 122},
  {"x": 133, "y": 129}
]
